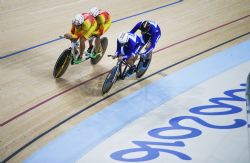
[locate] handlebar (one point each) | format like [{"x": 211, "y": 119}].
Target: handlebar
[{"x": 90, "y": 38}]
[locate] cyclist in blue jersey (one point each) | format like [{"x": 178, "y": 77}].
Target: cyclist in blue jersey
[
  {"x": 128, "y": 47},
  {"x": 151, "y": 32}
]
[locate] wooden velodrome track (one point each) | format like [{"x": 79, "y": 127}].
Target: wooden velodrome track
[{"x": 36, "y": 108}]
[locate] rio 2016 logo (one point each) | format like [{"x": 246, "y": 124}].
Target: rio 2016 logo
[{"x": 147, "y": 147}]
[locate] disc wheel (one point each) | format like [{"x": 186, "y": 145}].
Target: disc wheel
[
  {"x": 62, "y": 63},
  {"x": 104, "y": 44},
  {"x": 110, "y": 80},
  {"x": 143, "y": 67}
]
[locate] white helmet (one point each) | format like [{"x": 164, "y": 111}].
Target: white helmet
[
  {"x": 123, "y": 38},
  {"x": 94, "y": 11},
  {"x": 78, "y": 19}
]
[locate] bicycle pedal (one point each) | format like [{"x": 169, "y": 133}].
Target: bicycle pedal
[{"x": 77, "y": 61}]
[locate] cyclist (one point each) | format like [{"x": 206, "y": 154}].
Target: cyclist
[
  {"x": 128, "y": 47},
  {"x": 103, "y": 23},
  {"x": 151, "y": 32},
  {"x": 83, "y": 25}
]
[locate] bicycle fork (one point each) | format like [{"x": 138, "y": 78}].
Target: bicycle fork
[{"x": 116, "y": 73}]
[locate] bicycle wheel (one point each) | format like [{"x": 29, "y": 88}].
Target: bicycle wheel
[
  {"x": 62, "y": 63},
  {"x": 104, "y": 44},
  {"x": 141, "y": 67},
  {"x": 110, "y": 80}
]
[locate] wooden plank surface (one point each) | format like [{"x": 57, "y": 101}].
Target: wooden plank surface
[{"x": 32, "y": 101}]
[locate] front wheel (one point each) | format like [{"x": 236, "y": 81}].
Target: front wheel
[
  {"x": 110, "y": 79},
  {"x": 142, "y": 67},
  {"x": 104, "y": 44},
  {"x": 62, "y": 63}
]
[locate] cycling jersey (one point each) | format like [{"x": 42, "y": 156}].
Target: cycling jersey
[
  {"x": 132, "y": 47},
  {"x": 153, "y": 34},
  {"x": 103, "y": 23},
  {"x": 88, "y": 27}
]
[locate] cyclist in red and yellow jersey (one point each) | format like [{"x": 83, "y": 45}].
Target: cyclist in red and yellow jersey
[
  {"x": 83, "y": 26},
  {"x": 103, "y": 23}
]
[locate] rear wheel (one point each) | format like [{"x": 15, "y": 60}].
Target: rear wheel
[
  {"x": 62, "y": 63},
  {"x": 104, "y": 44},
  {"x": 142, "y": 67},
  {"x": 110, "y": 79}
]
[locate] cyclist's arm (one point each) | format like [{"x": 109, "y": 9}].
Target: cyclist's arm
[
  {"x": 136, "y": 27},
  {"x": 97, "y": 32},
  {"x": 82, "y": 45},
  {"x": 103, "y": 25},
  {"x": 87, "y": 29},
  {"x": 100, "y": 29},
  {"x": 106, "y": 26},
  {"x": 152, "y": 42},
  {"x": 73, "y": 33}
]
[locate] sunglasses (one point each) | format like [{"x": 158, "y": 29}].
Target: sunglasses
[{"x": 78, "y": 26}]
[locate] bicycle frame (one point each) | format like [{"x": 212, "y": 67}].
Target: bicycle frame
[
  {"x": 122, "y": 72},
  {"x": 75, "y": 47}
]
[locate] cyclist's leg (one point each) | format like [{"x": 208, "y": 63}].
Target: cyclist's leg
[
  {"x": 107, "y": 26},
  {"x": 146, "y": 38},
  {"x": 131, "y": 62},
  {"x": 88, "y": 34},
  {"x": 82, "y": 46},
  {"x": 97, "y": 44},
  {"x": 90, "y": 46},
  {"x": 98, "y": 38}
]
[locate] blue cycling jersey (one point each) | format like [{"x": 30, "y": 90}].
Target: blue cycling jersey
[
  {"x": 153, "y": 34},
  {"x": 132, "y": 47}
]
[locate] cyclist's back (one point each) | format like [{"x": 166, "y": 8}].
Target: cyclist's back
[
  {"x": 87, "y": 28},
  {"x": 131, "y": 47},
  {"x": 150, "y": 31}
]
